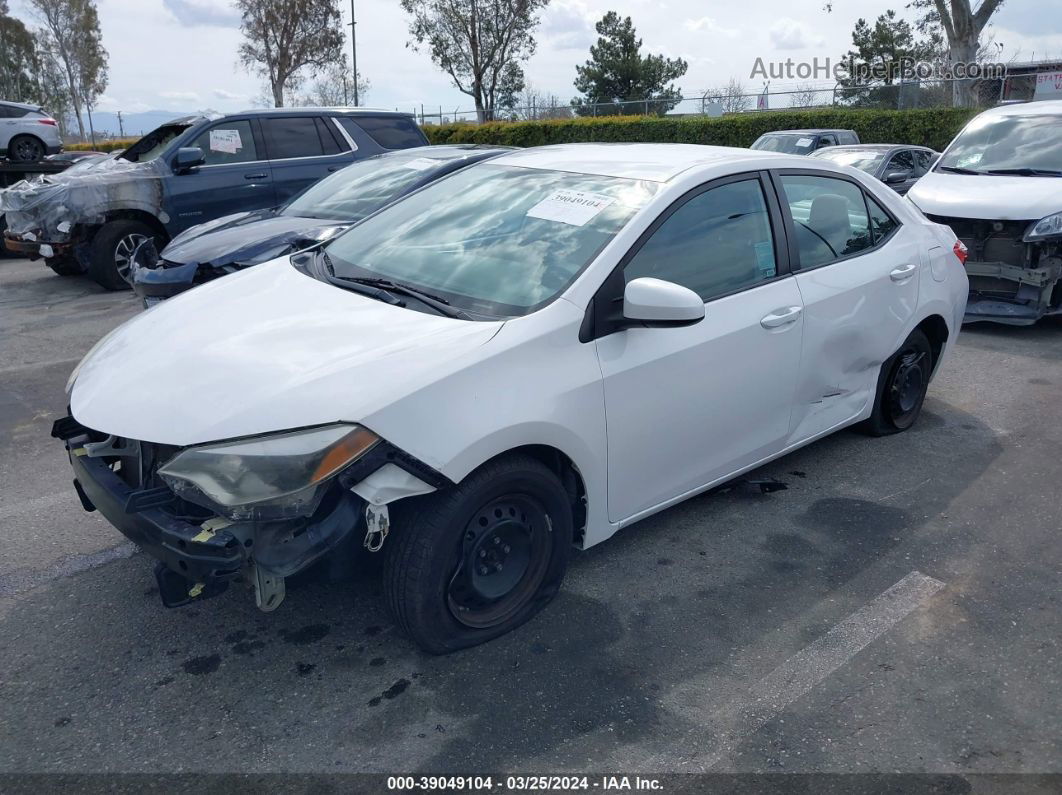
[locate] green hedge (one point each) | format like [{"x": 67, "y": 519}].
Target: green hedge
[
  {"x": 934, "y": 127},
  {"x": 102, "y": 146}
]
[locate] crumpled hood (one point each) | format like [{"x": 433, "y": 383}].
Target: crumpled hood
[
  {"x": 987, "y": 197},
  {"x": 246, "y": 238},
  {"x": 266, "y": 349}
]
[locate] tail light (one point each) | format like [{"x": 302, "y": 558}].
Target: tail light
[
  {"x": 961, "y": 251},
  {"x": 52, "y": 122}
]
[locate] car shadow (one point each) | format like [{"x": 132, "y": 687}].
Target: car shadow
[{"x": 328, "y": 683}]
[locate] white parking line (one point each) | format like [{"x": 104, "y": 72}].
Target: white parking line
[{"x": 793, "y": 678}]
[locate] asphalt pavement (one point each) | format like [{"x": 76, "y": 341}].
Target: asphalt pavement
[{"x": 894, "y": 610}]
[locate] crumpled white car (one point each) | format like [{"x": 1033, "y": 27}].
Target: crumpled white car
[{"x": 520, "y": 358}]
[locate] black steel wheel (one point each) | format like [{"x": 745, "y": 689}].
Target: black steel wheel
[
  {"x": 471, "y": 562},
  {"x": 25, "y": 149},
  {"x": 902, "y": 385}
]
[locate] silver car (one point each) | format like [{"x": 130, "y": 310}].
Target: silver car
[{"x": 27, "y": 132}]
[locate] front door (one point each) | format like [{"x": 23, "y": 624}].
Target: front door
[
  {"x": 688, "y": 406},
  {"x": 236, "y": 177},
  {"x": 857, "y": 270}
]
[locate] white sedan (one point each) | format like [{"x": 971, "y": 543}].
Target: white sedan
[{"x": 520, "y": 358}]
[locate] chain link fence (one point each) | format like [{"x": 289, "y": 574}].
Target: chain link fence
[{"x": 893, "y": 96}]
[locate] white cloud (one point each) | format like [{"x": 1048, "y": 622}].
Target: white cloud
[
  {"x": 709, "y": 25},
  {"x": 180, "y": 96},
  {"x": 791, "y": 34},
  {"x": 567, "y": 26},
  {"x": 221, "y": 93}
]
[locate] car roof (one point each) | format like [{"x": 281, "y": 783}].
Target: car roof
[
  {"x": 322, "y": 111},
  {"x": 653, "y": 162},
  {"x": 870, "y": 148},
  {"x": 811, "y": 131},
  {"x": 1047, "y": 107},
  {"x": 21, "y": 105},
  {"x": 446, "y": 152}
]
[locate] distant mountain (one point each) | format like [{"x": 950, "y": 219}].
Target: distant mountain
[{"x": 134, "y": 124}]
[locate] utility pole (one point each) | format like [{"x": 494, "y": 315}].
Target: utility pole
[
  {"x": 354, "y": 50},
  {"x": 121, "y": 130}
]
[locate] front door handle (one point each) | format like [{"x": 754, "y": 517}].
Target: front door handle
[
  {"x": 903, "y": 273},
  {"x": 781, "y": 317},
  {"x": 254, "y": 176}
]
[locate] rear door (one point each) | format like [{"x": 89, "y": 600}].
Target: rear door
[
  {"x": 302, "y": 149},
  {"x": 857, "y": 271},
  {"x": 235, "y": 177}
]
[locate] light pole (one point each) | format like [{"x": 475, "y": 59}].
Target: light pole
[{"x": 354, "y": 50}]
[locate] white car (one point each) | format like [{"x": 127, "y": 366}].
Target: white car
[
  {"x": 27, "y": 133},
  {"x": 998, "y": 186},
  {"x": 525, "y": 356}
]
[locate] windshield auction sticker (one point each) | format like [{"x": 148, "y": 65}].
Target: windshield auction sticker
[{"x": 570, "y": 207}]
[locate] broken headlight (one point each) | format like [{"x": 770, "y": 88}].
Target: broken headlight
[
  {"x": 1051, "y": 226},
  {"x": 279, "y": 476}
]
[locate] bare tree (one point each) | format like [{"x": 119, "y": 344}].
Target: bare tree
[
  {"x": 285, "y": 39},
  {"x": 478, "y": 43},
  {"x": 73, "y": 32},
  {"x": 334, "y": 87},
  {"x": 804, "y": 96},
  {"x": 732, "y": 98},
  {"x": 962, "y": 27},
  {"x": 533, "y": 104}
]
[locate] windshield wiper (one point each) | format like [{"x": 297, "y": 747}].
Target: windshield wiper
[
  {"x": 1024, "y": 172},
  {"x": 959, "y": 170},
  {"x": 439, "y": 304}
]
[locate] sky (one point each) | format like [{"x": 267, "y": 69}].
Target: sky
[{"x": 180, "y": 55}]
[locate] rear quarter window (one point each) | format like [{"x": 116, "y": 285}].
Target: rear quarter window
[{"x": 390, "y": 132}]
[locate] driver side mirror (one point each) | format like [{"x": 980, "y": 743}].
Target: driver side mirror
[
  {"x": 656, "y": 302},
  {"x": 188, "y": 157},
  {"x": 896, "y": 177}
]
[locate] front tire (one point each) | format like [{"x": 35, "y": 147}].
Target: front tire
[
  {"x": 112, "y": 251},
  {"x": 477, "y": 560},
  {"x": 902, "y": 385}
]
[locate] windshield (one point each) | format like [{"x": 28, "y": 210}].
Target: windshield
[
  {"x": 790, "y": 144},
  {"x": 152, "y": 145},
  {"x": 867, "y": 161},
  {"x": 362, "y": 187},
  {"x": 1007, "y": 142},
  {"x": 493, "y": 240}
]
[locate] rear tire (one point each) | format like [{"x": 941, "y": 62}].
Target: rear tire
[
  {"x": 474, "y": 561},
  {"x": 25, "y": 149},
  {"x": 902, "y": 385},
  {"x": 112, "y": 247}
]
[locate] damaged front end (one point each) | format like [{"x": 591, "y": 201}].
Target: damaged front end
[
  {"x": 258, "y": 510},
  {"x": 1014, "y": 267},
  {"x": 215, "y": 249},
  {"x": 52, "y": 216}
]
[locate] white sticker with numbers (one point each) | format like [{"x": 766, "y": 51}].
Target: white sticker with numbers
[{"x": 572, "y": 207}]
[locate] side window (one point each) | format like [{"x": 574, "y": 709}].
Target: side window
[
  {"x": 227, "y": 142},
  {"x": 881, "y": 222},
  {"x": 828, "y": 140},
  {"x": 292, "y": 137},
  {"x": 923, "y": 161},
  {"x": 717, "y": 242},
  {"x": 901, "y": 161},
  {"x": 390, "y": 132},
  {"x": 328, "y": 136},
  {"x": 829, "y": 216}
]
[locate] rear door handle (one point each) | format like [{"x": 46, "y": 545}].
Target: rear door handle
[
  {"x": 903, "y": 273},
  {"x": 254, "y": 176},
  {"x": 781, "y": 317}
]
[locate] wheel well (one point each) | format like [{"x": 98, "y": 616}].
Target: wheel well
[
  {"x": 936, "y": 330},
  {"x": 143, "y": 217},
  {"x": 569, "y": 477}
]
